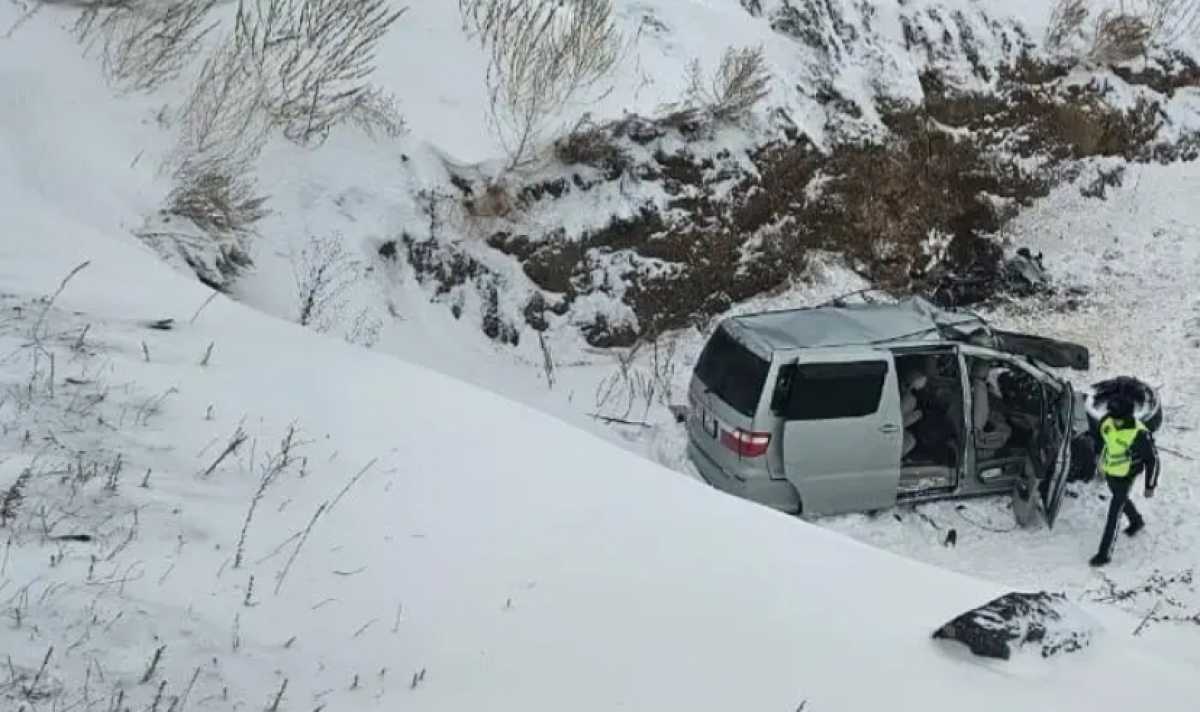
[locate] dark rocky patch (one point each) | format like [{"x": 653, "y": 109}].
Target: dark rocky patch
[{"x": 1165, "y": 74}]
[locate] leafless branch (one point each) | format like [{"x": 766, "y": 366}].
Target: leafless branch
[
  {"x": 299, "y": 545},
  {"x": 542, "y": 55},
  {"x": 144, "y": 44}
]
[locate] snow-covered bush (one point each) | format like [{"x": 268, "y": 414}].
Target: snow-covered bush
[
  {"x": 217, "y": 200},
  {"x": 377, "y": 113},
  {"x": 741, "y": 82},
  {"x": 590, "y": 144},
  {"x": 315, "y": 58},
  {"x": 222, "y": 130},
  {"x": 143, "y": 44},
  {"x": 542, "y": 54},
  {"x": 1170, "y": 20},
  {"x": 297, "y": 65},
  {"x": 1067, "y": 22},
  {"x": 325, "y": 273},
  {"x": 1119, "y": 36}
]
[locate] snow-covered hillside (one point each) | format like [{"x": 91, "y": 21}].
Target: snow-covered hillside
[{"x": 428, "y": 544}]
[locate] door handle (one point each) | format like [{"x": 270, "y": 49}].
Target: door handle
[{"x": 889, "y": 428}]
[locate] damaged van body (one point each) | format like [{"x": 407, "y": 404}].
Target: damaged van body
[{"x": 847, "y": 408}]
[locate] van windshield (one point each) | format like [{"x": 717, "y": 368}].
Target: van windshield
[{"x": 732, "y": 372}]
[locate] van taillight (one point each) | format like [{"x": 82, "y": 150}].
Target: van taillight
[{"x": 745, "y": 443}]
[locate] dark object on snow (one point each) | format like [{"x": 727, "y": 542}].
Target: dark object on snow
[
  {"x": 1015, "y": 620},
  {"x": 680, "y": 412},
  {"x": 1022, "y": 275},
  {"x": 951, "y": 538},
  {"x": 161, "y": 324},
  {"x": 1025, "y": 275},
  {"x": 83, "y": 538}
]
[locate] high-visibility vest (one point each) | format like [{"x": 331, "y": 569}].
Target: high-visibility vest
[{"x": 1116, "y": 461}]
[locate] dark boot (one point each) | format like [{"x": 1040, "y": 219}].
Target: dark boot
[
  {"x": 1136, "y": 527},
  {"x": 1099, "y": 560}
]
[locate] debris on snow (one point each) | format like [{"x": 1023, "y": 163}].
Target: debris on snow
[{"x": 1047, "y": 622}]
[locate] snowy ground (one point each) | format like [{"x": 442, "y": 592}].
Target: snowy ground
[
  {"x": 491, "y": 556},
  {"x": 487, "y": 556},
  {"x": 1138, "y": 257}
]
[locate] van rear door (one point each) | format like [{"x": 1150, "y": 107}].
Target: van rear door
[
  {"x": 726, "y": 391},
  {"x": 842, "y": 433}
]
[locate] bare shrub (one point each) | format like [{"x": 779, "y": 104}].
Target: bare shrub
[
  {"x": 631, "y": 387},
  {"x": 364, "y": 329},
  {"x": 324, "y": 272},
  {"x": 1122, "y": 35},
  {"x": 224, "y": 115},
  {"x": 276, "y": 464},
  {"x": 223, "y": 131},
  {"x": 1170, "y": 20},
  {"x": 13, "y": 496},
  {"x": 542, "y": 55},
  {"x": 315, "y": 57},
  {"x": 217, "y": 201},
  {"x": 741, "y": 81},
  {"x": 590, "y": 145},
  {"x": 144, "y": 44},
  {"x": 1067, "y": 22},
  {"x": 223, "y": 128},
  {"x": 377, "y": 113},
  {"x": 1119, "y": 37},
  {"x": 27, "y": 9}
]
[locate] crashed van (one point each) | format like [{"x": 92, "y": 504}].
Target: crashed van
[{"x": 859, "y": 407}]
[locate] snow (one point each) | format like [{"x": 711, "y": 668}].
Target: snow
[
  {"x": 503, "y": 549},
  {"x": 519, "y": 562}
]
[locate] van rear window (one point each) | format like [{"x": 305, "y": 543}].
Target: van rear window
[
  {"x": 829, "y": 391},
  {"x": 732, "y": 372}
]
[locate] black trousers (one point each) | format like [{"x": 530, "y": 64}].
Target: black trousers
[{"x": 1120, "y": 502}]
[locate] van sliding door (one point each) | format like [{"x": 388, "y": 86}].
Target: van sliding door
[{"x": 843, "y": 434}]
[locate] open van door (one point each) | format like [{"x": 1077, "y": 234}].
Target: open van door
[
  {"x": 1059, "y": 420},
  {"x": 1052, "y": 352},
  {"x": 843, "y": 434}
]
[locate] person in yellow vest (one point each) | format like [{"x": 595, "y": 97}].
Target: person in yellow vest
[{"x": 1129, "y": 450}]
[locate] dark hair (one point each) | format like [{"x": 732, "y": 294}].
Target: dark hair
[{"x": 1120, "y": 407}]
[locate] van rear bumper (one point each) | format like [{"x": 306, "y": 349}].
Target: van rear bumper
[{"x": 778, "y": 494}]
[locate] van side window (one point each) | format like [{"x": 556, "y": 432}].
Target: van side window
[
  {"x": 828, "y": 391},
  {"x": 732, "y": 372}
]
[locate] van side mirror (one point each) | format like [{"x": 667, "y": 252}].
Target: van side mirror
[{"x": 783, "y": 389}]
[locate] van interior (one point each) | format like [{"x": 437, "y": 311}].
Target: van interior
[
  {"x": 1007, "y": 411},
  {"x": 931, "y": 403}
]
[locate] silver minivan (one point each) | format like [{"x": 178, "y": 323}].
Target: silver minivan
[{"x": 858, "y": 407}]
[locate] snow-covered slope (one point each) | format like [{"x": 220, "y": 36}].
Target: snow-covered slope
[{"x": 489, "y": 556}]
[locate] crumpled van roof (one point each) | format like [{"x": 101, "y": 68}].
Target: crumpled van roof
[{"x": 912, "y": 319}]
